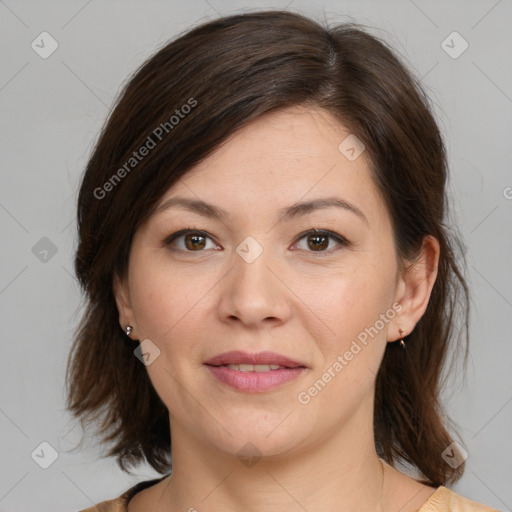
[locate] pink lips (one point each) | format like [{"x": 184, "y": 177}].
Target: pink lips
[
  {"x": 254, "y": 381},
  {"x": 238, "y": 357}
]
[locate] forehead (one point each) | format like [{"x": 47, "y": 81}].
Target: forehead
[
  {"x": 297, "y": 141},
  {"x": 278, "y": 159}
]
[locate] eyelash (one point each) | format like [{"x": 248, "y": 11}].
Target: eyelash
[{"x": 342, "y": 241}]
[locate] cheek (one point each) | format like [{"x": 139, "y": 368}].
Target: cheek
[
  {"x": 351, "y": 305},
  {"x": 353, "y": 345},
  {"x": 351, "y": 300},
  {"x": 152, "y": 300},
  {"x": 160, "y": 295}
]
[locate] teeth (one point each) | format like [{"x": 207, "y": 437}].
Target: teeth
[{"x": 253, "y": 367}]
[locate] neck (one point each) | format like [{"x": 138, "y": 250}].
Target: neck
[{"x": 340, "y": 472}]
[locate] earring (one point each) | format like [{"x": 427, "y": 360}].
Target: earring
[
  {"x": 129, "y": 329},
  {"x": 402, "y": 342}
]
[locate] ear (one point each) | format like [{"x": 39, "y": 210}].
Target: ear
[
  {"x": 122, "y": 296},
  {"x": 414, "y": 288}
]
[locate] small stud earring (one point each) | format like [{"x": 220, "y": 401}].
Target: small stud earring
[
  {"x": 129, "y": 329},
  {"x": 402, "y": 342}
]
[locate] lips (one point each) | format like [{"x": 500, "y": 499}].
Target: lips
[
  {"x": 254, "y": 373},
  {"x": 260, "y": 358}
]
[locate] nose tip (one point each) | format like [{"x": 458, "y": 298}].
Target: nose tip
[{"x": 252, "y": 292}]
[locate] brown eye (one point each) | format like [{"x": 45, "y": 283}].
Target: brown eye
[
  {"x": 319, "y": 241},
  {"x": 189, "y": 240},
  {"x": 193, "y": 242}
]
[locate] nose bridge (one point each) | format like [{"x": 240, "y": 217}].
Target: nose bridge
[
  {"x": 254, "y": 292},
  {"x": 252, "y": 274}
]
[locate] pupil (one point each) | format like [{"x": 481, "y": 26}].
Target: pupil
[
  {"x": 195, "y": 240},
  {"x": 317, "y": 245}
]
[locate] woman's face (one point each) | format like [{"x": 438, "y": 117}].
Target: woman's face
[{"x": 255, "y": 278}]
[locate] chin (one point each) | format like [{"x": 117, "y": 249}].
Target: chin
[{"x": 260, "y": 438}]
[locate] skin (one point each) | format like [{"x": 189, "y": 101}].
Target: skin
[{"x": 305, "y": 303}]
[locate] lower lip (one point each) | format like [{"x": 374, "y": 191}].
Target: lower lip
[{"x": 255, "y": 382}]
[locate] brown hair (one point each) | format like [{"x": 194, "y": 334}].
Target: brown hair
[{"x": 228, "y": 72}]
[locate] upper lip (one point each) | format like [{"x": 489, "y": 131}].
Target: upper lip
[{"x": 238, "y": 357}]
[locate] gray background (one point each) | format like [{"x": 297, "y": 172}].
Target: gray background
[{"x": 52, "y": 110}]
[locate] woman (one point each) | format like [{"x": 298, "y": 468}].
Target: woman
[{"x": 269, "y": 278}]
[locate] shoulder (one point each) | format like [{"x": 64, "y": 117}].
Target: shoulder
[
  {"x": 120, "y": 504},
  {"x": 445, "y": 500},
  {"x": 116, "y": 505}
]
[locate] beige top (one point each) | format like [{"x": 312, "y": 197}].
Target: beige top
[{"x": 442, "y": 500}]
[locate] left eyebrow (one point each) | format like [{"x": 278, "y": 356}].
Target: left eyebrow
[
  {"x": 290, "y": 212},
  {"x": 303, "y": 208},
  {"x": 194, "y": 206}
]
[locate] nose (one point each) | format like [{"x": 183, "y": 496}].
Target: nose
[{"x": 254, "y": 293}]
